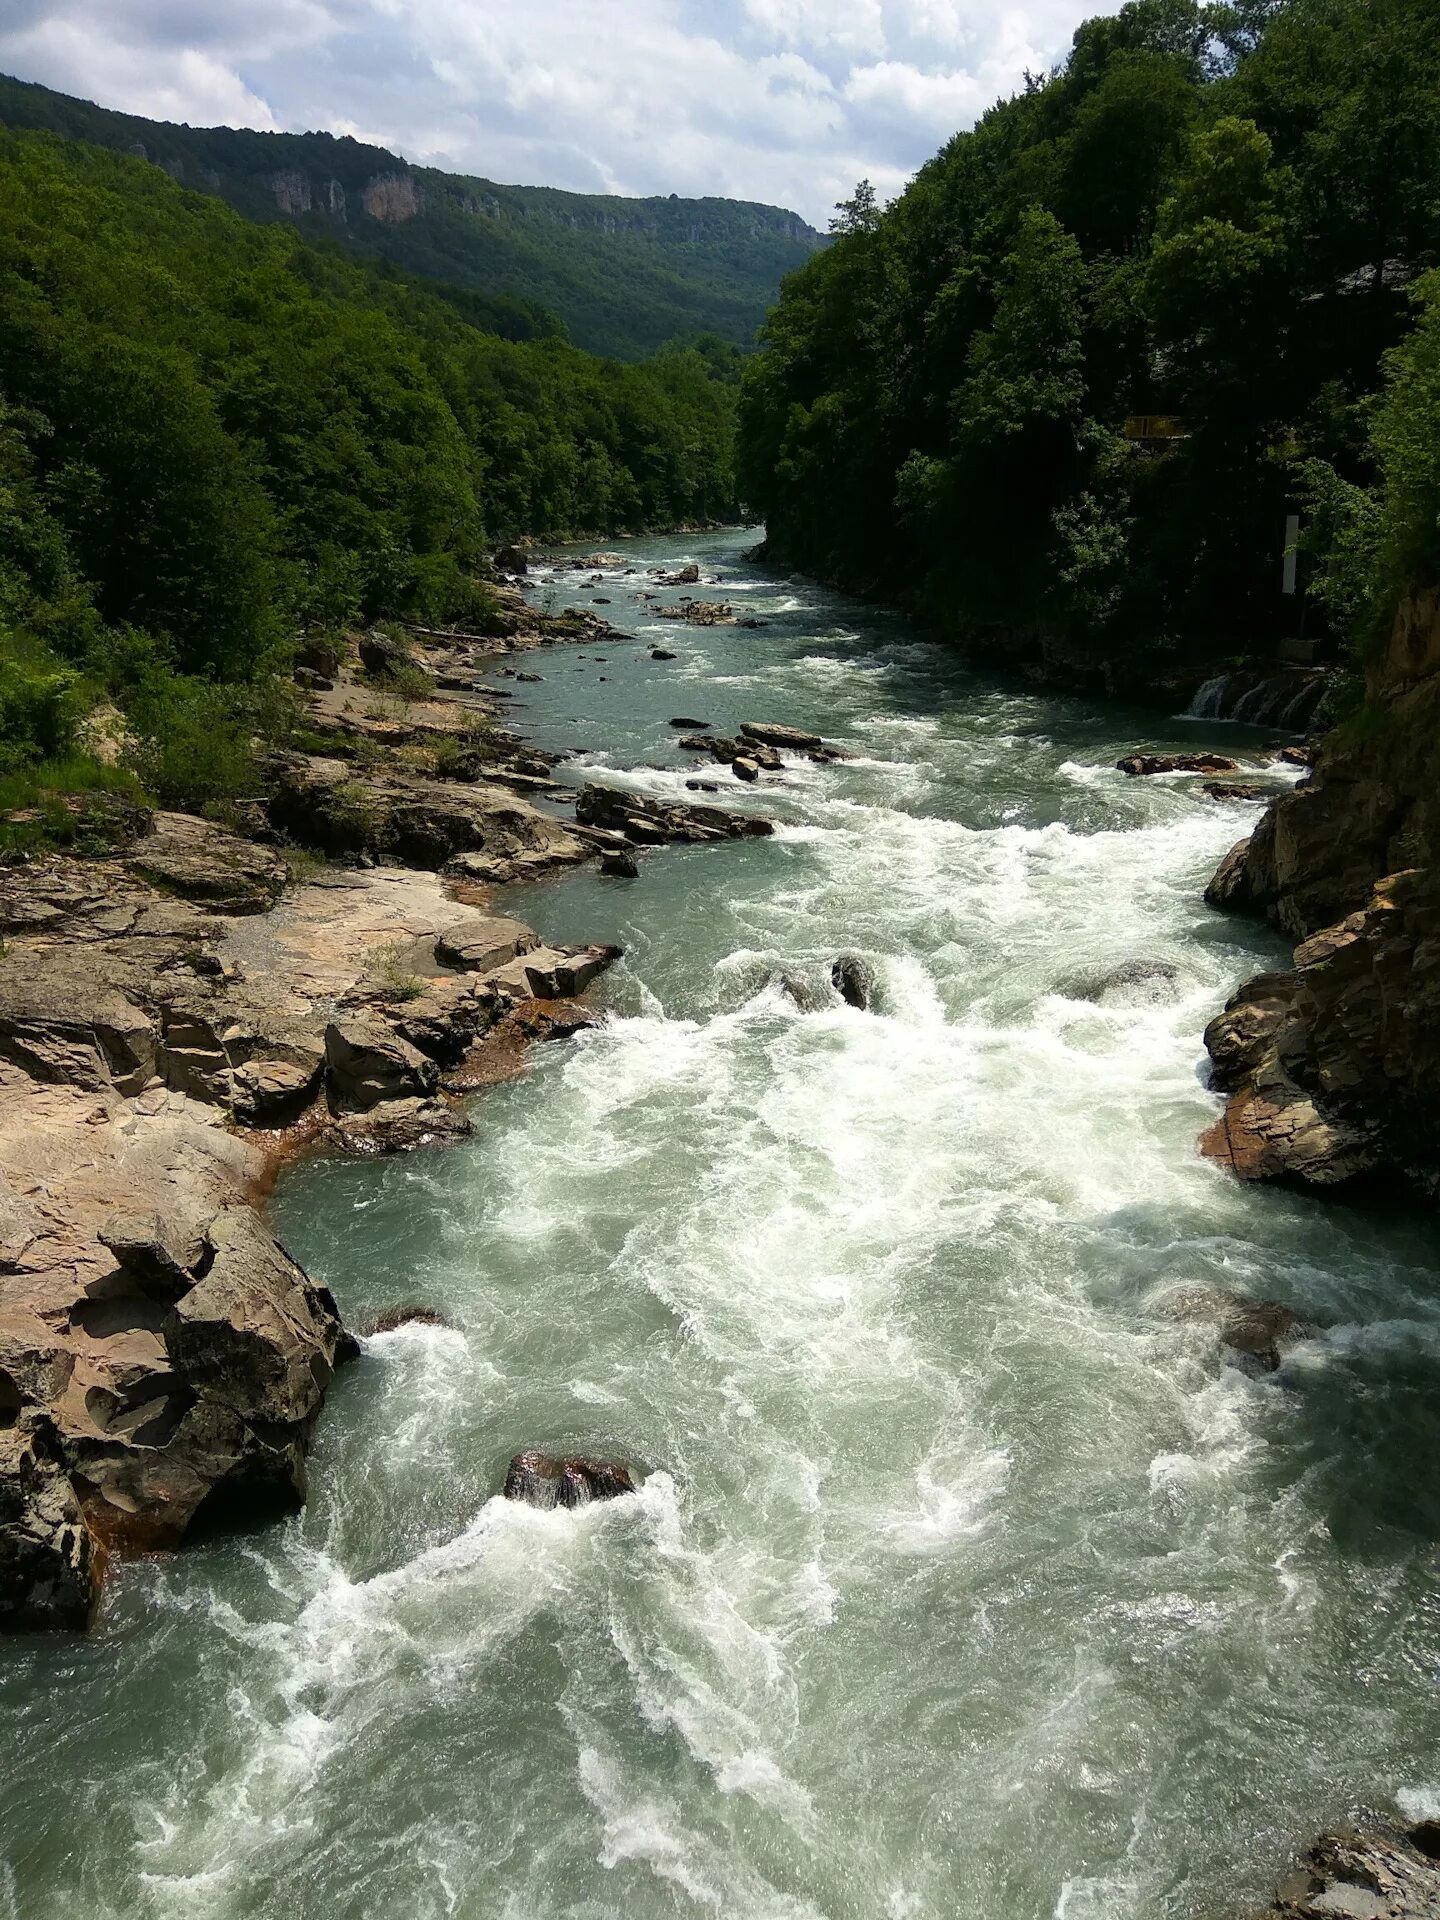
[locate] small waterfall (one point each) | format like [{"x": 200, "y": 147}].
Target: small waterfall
[
  {"x": 1209, "y": 701},
  {"x": 1299, "y": 712},
  {"x": 1255, "y": 705},
  {"x": 1284, "y": 700}
]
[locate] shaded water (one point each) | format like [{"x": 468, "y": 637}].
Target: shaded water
[{"x": 966, "y": 1580}]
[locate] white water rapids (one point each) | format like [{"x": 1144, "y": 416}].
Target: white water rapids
[{"x": 967, "y": 1580}]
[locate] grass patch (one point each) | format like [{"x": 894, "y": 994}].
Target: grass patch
[
  {"x": 60, "y": 803},
  {"x": 388, "y": 966},
  {"x": 302, "y": 864}
]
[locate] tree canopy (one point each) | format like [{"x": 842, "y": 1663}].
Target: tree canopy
[{"x": 1210, "y": 216}]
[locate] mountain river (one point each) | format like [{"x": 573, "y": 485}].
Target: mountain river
[{"x": 967, "y": 1580}]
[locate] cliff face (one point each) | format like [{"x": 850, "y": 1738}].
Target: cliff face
[{"x": 1333, "y": 1068}]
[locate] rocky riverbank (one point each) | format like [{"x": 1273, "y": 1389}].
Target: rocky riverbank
[
  {"x": 182, "y": 1009},
  {"x": 1332, "y": 1066}
]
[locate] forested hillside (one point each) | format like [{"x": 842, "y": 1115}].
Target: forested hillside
[
  {"x": 213, "y": 436},
  {"x": 1066, "y": 390},
  {"x": 623, "y": 277}
]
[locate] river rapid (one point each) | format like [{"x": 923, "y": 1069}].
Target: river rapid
[{"x": 966, "y": 1580}]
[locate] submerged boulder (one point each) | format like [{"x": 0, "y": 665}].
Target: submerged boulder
[
  {"x": 1149, "y": 980},
  {"x": 543, "y": 1480},
  {"x": 1257, "y": 1333},
  {"x": 387, "y": 1319}
]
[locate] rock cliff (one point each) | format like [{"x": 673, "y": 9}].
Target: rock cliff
[{"x": 1332, "y": 1067}]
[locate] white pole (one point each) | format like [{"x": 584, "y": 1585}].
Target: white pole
[{"x": 1292, "y": 552}]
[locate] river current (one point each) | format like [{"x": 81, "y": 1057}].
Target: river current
[{"x": 967, "y": 1580}]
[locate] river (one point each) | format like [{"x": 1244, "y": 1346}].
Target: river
[{"x": 966, "y": 1579}]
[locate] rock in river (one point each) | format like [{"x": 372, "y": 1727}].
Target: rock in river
[
  {"x": 648, "y": 822},
  {"x": 542, "y": 1480},
  {"x": 1147, "y": 763},
  {"x": 770, "y": 734},
  {"x": 853, "y": 978}
]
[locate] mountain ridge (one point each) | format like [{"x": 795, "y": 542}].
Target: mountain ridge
[{"x": 624, "y": 276}]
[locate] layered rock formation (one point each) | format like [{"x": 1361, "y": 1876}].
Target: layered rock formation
[
  {"x": 162, "y": 1359},
  {"x": 1332, "y": 1066}
]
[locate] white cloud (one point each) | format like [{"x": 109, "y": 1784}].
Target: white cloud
[
  {"x": 788, "y": 101},
  {"x": 896, "y": 90}
]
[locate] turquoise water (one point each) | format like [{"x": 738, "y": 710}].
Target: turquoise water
[{"x": 965, "y": 1580}]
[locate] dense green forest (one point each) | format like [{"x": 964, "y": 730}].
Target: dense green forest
[
  {"x": 622, "y": 277},
  {"x": 213, "y": 436},
  {"x": 1064, "y": 392}
]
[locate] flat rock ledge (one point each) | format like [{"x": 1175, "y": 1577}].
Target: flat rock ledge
[{"x": 167, "y": 1032}]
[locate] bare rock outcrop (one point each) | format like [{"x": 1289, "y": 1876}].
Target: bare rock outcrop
[
  {"x": 402, "y": 816},
  {"x": 1333, "y": 1068},
  {"x": 162, "y": 1359}
]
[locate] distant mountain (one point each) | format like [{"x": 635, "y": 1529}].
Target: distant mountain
[{"x": 624, "y": 276}]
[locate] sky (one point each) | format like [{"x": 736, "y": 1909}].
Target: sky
[{"x": 786, "y": 101}]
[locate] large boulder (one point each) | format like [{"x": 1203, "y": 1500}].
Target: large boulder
[
  {"x": 480, "y": 946},
  {"x": 366, "y": 1063},
  {"x": 1230, "y": 884},
  {"x": 385, "y": 655},
  {"x": 544, "y": 1480},
  {"x": 553, "y": 973},
  {"x": 416, "y": 820},
  {"x": 1332, "y": 1069},
  {"x": 1364, "y": 1876}
]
